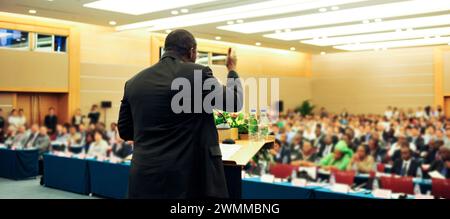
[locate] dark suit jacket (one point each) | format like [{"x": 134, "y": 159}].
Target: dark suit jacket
[
  {"x": 412, "y": 170},
  {"x": 438, "y": 165},
  {"x": 175, "y": 155}
]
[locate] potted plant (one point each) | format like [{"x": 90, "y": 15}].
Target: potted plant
[
  {"x": 305, "y": 109},
  {"x": 231, "y": 125}
]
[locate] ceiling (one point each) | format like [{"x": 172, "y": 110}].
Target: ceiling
[{"x": 346, "y": 25}]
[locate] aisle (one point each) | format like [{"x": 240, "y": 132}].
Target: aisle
[{"x": 30, "y": 189}]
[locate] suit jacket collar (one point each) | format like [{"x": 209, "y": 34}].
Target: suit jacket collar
[{"x": 170, "y": 54}]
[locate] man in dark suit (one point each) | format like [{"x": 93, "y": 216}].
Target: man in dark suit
[
  {"x": 51, "y": 120},
  {"x": 176, "y": 152},
  {"x": 442, "y": 165},
  {"x": 406, "y": 165}
]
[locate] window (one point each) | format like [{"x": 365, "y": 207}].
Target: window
[
  {"x": 13, "y": 39},
  {"x": 59, "y": 43},
  {"x": 219, "y": 59},
  {"x": 44, "y": 43},
  {"x": 202, "y": 58}
]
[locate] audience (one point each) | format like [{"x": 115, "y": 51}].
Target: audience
[
  {"x": 77, "y": 118},
  {"x": 304, "y": 156},
  {"x": 51, "y": 120}
]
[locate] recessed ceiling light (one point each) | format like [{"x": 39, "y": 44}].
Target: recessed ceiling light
[
  {"x": 112, "y": 23},
  {"x": 258, "y": 43},
  {"x": 31, "y": 11},
  {"x": 230, "y": 22},
  {"x": 49, "y": 0},
  {"x": 323, "y": 53},
  {"x": 168, "y": 31},
  {"x": 322, "y": 10},
  {"x": 139, "y": 7},
  {"x": 218, "y": 38},
  {"x": 419, "y": 22},
  {"x": 366, "y": 21},
  {"x": 390, "y": 10},
  {"x": 378, "y": 20},
  {"x": 287, "y": 30},
  {"x": 174, "y": 12},
  {"x": 278, "y": 31},
  {"x": 334, "y": 8},
  {"x": 240, "y": 21},
  {"x": 396, "y": 44},
  {"x": 378, "y": 37},
  {"x": 292, "y": 48},
  {"x": 259, "y": 9},
  {"x": 409, "y": 29},
  {"x": 398, "y": 30},
  {"x": 184, "y": 10}
]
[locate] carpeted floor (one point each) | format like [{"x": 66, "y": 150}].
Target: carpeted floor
[{"x": 30, "y": 189}]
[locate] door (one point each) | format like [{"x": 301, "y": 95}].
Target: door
[{"x": 447, "y": 106}]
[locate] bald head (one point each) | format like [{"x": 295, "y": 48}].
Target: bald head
[{"x": 183, "y": 43}]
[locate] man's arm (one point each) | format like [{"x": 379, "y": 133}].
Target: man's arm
[{"x": 125, "y": 123}]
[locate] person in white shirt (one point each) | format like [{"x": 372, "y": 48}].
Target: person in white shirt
[
  {"x": 388, "y": 113},
  {"x": 14, "y": 119},
  {"x": 397, "y": 145},
  {"x": 22, "y": 118},
  {"x": 99, "y": 148},
  {"x": 419, "y": 113}
]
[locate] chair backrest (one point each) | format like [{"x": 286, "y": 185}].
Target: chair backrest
[
  {"x": 398, "y": 184},
  {"x": 281, "y": 170},
  {"x": 344, "y": 177},
  {"x": 380, "y": 167},
  {"x": 440, "y": 188}
]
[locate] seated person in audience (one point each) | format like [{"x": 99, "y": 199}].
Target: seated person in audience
[
  {"x": 274, "y": 130},
  {"x": 320, "y": 136},
  {"x": 306, "y": 156},
  {"x": 112, "y": 133},
  {"x": 339, "y": 159},
  {"x": 121, "y": 148},
  {"x": 20, "y": 138},
  {"x": 348, "y": 140},
  {"x": 34, "y": 132},
  {"x": 74, "y": 137},
  {"x": 394, "y": 151},
  {"x": 100, "y": 126},
  {"x": 51, "y": 120},
  {"x": 42, "y": 141},
  {"x": 297, "y": 143},
  {"x": 416, "y": 139},
  {"x": 280, "y": 153},
  {"x": 82, "y": 131},
  {"x": 433, "y": 151},
  {"x": 442, "y": 165},
  {"x": 10, "y": 135},
  {"x": 326, "y": 147},
  {"x": 378, "y": 153},
  {"x": 99, "y": 148},
  {"x": 61, "y": 136},
  {"x": 406, "y": 165},
  {"x": 362, "y": 161}
]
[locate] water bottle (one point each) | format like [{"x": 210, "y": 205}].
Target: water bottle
[
  {"x": 332, "y": 179},
  {"x": 252, "y": 126},
  {"x": 417, "y": 190},
  {"x": 263, "y": 127},
  {"x": 419, "y": 173},
  {"x": 375, "y": 184}
]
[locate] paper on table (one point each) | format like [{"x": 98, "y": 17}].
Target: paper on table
[
  {"x": 228, "y": 150},
  {"x": 435, "y": 174}
]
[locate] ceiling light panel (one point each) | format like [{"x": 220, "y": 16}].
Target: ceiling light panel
[
  {"x": 139, "y": 7},
  {"x": 266, "y": 8},
  {"x": 395, "y": 44},
  {"x": 405, "y": 8},
  {"x": 363, "y": 28},
  {"x": 377, "y": 37}
]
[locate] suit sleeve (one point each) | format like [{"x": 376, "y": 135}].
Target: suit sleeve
[
  {"x": 232, "y": 95},
  {"x": 125, "y": 123}
]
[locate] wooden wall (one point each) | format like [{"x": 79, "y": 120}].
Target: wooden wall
[{"x": 367, "y": 82}]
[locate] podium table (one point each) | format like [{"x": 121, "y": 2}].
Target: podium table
[{"x": 235, "y": 161}]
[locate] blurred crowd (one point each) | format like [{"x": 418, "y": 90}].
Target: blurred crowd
[
  {"x": 83, "y": 135},
  {"x": 411, "y": 142}
]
